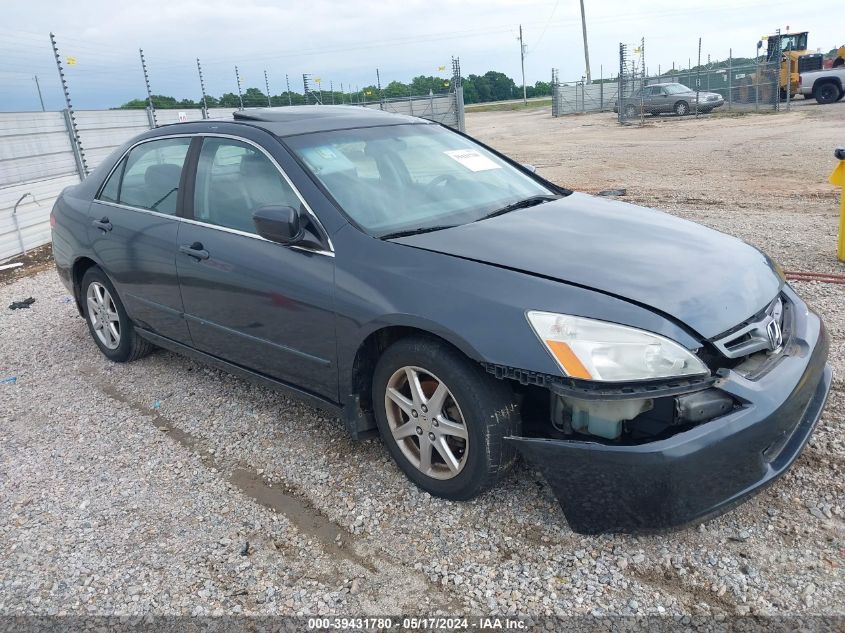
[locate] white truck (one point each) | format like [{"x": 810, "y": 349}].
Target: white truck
[{"x": 825, "y": 86}]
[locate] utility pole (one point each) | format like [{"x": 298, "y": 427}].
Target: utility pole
[
  {"x": 40, "y": 98},
  {"x": 586, "y": 49},
  {"x": 522, "y": 61}
]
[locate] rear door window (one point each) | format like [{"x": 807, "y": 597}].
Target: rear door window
[{"x": 150, "y": 176}]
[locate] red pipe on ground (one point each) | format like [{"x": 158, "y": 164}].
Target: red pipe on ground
[{"x": 827, "y": 278}]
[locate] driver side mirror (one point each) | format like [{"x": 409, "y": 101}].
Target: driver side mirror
[{"x": 278, "y": 223}]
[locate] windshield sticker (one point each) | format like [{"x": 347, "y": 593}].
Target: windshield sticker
[{"x": 472, "y": 159}]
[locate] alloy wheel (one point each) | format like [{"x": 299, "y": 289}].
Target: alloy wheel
[
  {"x": 102, "y": 313},
  {"x": 426, "y": 422},
  {"x": 681, "y": 109}
]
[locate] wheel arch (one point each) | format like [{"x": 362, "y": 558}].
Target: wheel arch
[
  {"x": 78, "y": 270},
  {"x": 357, "y": 391}
]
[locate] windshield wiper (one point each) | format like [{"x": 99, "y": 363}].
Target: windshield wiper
[
  {"x": 520, "y": 204},
  {"x": 417, "y": 231}
]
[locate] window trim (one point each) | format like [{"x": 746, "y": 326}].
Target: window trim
[
  {"x": 124, "y": 161},
  {"x": 121, "y": 165},
  {"x": 189, "y": 171}
]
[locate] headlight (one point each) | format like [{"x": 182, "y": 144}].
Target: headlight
[{"x": 597, "y": 350}]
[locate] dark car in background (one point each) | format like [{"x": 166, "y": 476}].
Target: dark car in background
[
  {"x": 667, "y": 98},
  {"x": 418, "y": 284}
]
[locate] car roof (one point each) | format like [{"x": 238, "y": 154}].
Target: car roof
[{"x": 292, "y": 120}]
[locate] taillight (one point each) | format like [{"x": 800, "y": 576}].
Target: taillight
[{"x": 52, "y": 220}]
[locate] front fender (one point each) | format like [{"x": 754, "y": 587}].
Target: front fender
[{"x": 479, "y": 308}]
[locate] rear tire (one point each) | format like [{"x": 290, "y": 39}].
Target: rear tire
[
  {"x": 458, "y": 417},
  {"x": 108, "y": 323},
  {"x": 631, "y": 111},
  {"x": 827, "y": 92}
]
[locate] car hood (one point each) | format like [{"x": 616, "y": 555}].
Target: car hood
[{"x": 704, "y": 279}]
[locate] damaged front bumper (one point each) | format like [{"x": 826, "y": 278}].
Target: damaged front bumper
[{"x": 705, "y": 470}]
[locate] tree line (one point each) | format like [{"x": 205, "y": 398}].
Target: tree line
[{"x": 491, "y": 86}]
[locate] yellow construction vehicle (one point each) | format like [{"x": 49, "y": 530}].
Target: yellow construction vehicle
[
  {"x": 788, "y": 53},
  {"x": 838, "y": 57}
]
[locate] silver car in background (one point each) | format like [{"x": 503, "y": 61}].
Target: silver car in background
[{"x": 669, "y": 97}]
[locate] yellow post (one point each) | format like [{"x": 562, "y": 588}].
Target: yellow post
[{"x": 838, "y": 178}]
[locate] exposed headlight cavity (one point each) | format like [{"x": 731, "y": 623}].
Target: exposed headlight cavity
[{"x": 597, "y": 350}]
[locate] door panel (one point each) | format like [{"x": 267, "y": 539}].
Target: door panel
[
  {"x": 261, "y": 305},
  {"x": 137, "y": 246},
  {"x": 250, "y": 301}
]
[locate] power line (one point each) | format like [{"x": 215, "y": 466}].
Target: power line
[{"x": 545, "y": 27}]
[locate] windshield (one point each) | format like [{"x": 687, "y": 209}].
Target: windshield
[
  {"x": 400, "y": 178},
  {"x": 788, "y": 42},
  {"x": 674, "y": 89}
]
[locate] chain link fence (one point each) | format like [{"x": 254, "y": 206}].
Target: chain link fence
[
  {"x": 447, "y": 109},
  {"x": 700, "y": 91},
  {"x": 633, "y": 93}
]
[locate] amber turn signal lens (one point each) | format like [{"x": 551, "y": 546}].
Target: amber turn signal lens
[{"x": 567, "y": 358}]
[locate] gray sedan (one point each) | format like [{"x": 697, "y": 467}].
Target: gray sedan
[
  {"x": 669, "y": 97},
  {"x": 421, "y": 286}
]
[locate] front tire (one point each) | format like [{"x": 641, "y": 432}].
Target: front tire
[
  {"x": 108, "y": 323},
  {"x": 681, "y": 108},
  {"x": 443, "y": 418}
]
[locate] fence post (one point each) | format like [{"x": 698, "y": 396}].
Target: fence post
[
  {"x": 601, "y": 88},
  {"x": 788, "y": 80},
  {"x": 240, "y": 96},
  {"x": 78, "y": 156},
  {"x": 457, "y": 84},
  {"x": 620, "y": 107},
  {"x": 459, "y": 104},
  {"x": 151, "y": 110},
  {"x": 730, "y": 78},
  {"x": 70, "y": 118},
  {"x": 698, "y": 78},
  {"x": 267, "y": 86},
  {"x": 202, "y": 88}
]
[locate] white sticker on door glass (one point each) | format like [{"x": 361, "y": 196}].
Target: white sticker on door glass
[{"x": 472, "y": 159}]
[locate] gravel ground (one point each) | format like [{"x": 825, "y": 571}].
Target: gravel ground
[{"x": 130, "y": 489}]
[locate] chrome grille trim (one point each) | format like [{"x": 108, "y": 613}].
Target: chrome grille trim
[{"x": 763, "y": 332}]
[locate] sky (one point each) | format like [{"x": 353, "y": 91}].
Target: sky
[{"x": 344, "y": 42}]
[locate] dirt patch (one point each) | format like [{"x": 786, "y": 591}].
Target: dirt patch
[{"x": 34, "y": 261}]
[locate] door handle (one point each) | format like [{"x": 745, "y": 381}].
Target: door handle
[
  {"x": 103, "y": 224},
  {"x": 194, "y": 250}
]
